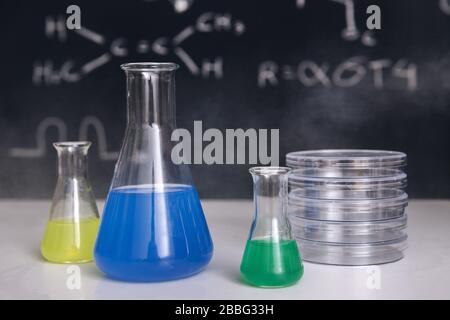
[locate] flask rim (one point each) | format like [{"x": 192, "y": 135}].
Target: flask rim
[
  {"x": 149, "y": 66},
  {"x": 269, "y": 170},
  {"x": 71, "y": 144}
]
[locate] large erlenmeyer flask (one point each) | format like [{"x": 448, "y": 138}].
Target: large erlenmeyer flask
[{"x": 153, "y": 227}]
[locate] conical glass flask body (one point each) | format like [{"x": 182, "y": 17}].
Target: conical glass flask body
[
  {"x": 153, "y": 227},
  {"x": 271, "y": 257},
  {"x": 72, "y": 228}
]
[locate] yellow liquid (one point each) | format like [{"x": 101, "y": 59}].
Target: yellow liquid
[{"x": 66, "y": 241}]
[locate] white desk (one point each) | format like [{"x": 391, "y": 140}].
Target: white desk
[{"x": 423, "y": 273}]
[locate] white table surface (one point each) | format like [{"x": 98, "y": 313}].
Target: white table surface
[{"x": 423, "y": 273}]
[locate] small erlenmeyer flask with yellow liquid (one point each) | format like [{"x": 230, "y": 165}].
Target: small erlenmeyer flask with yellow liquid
[{"x": 72, "y": 228}]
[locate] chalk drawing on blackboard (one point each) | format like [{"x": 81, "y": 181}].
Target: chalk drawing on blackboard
[
  {"x": 351, "y": 31},
  {"x": 187, "y": 60},
  {"x": 95, "y": 63},
  {"x": 91, "y": 35},
  {"x": 185, "y": 34},
  {"x": 346, "y": 74},
  {"x": 56, "y": 27},
  {"x": 99, "y": 130},
  {"x": 41, "y": 141},
  {"x": 444, "y": 5},
  {"x": 179, "y": 6},
  {"x": 49, "y": 73},
  {"x": 46, "y": 72},
  {"x": 300, "y": 3},
  {"x": 42, "y": 144}
]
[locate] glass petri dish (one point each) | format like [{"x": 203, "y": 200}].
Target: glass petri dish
[
  {"x": 352, "y": 254},
  {"x": 346, "y": 158},
  {"x": 348, "y": 179},
  {"x": 349, "y": 232},
  {"x": 347, "y": 205}
]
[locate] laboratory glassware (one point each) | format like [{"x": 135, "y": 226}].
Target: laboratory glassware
[
  {"x": 347, "y": 232},
  {"x": 348, "y": 179},
  {"x": 271, "y": 257},
  {"x": 348, "y": 207},
  {"x": 346, "y": 158},
  {"x": 72, "y": 228},
  {"x": 153, "y": 227},
  {"x": 353, "y": 254}
]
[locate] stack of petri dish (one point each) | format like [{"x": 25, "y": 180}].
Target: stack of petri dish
[{"x": 347, "y": 207}]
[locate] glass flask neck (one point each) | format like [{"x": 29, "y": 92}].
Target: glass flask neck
[
  {"x": 72, "y": 158},
  {"x": 146, "y": 154},
  {"x": 73, "y": 198},
  {"x": 270, "y": 190},
  {"x": 150, "y": 94}
]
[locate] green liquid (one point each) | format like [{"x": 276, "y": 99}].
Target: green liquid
[{"x": 271, "y": 264}]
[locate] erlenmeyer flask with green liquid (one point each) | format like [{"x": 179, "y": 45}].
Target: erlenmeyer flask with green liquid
[
  {"x": 271, "y": 257},
  {"x": 72, "y": 228}
]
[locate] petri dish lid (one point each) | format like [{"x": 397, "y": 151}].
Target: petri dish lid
[
  {"x": 354, "y": 228},
  {"x": 352, "y": 254},
  {"x": 349, "y": 232},
  {"x": 347, "y": 205},
  {"x": 359, "y": 199},
  {"x": 348, "y": 178},
  {"x": 346, "y": 158}
]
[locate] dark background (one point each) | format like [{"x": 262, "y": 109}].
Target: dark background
[{"x": 415, "y": 120}]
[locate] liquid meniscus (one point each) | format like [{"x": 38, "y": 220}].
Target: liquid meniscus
[
  {"x": 269, "y": 263},
  {"x": 153, "y": 233},
  {"x": 69, "y": 240}
]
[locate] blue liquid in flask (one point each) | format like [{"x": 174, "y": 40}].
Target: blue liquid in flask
[{"x": 153, "y": 233}]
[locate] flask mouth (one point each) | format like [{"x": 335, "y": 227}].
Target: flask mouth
[
  {"x": 269, "y": 170},
  {"x": 149, "y": 66},
  {"x": 72, "y": 144}
]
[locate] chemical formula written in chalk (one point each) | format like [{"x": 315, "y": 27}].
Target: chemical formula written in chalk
[
  {"x": 346, "y": 74},
  {"x": 46, "y": 72}
]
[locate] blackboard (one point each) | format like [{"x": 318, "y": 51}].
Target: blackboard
[{"x": 310, "y": 68}]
